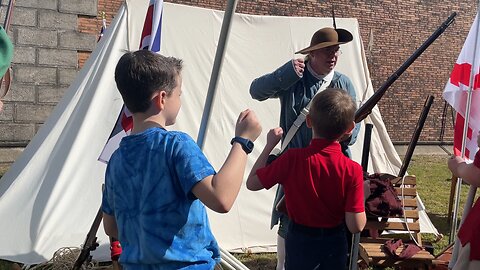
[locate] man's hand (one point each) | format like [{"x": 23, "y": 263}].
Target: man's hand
[{"x": 299, "y": 66}]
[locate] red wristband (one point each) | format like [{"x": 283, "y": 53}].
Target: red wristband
[{"x": 115, "y": 250}]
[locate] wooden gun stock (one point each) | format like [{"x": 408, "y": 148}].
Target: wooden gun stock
[{"x": 90, "y": 242}]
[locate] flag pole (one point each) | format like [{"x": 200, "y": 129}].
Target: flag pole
[
  {"x": 473, "y": 189},
  {"x": 217, "y": 65},
  {"x": 228, "y": 260}
]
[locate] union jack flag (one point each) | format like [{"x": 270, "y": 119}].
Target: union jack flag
[{"x": 150, "y": 40}]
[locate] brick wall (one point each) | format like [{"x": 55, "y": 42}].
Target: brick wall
[
  {"x": 396, "y": 29},
  {"x": 53, "y": 38}
]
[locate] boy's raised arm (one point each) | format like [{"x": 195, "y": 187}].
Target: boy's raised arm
[
  {"x": 468, "y": 172},
  {"x": 273, "y": 137},
  {"x": 218, "y": 192}
]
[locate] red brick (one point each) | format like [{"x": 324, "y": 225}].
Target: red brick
[{"x": 399, "y": 28}]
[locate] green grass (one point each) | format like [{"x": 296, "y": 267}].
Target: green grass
[
  {"x": 433, "y": 178},
  {"x": 434, "y": 185}
]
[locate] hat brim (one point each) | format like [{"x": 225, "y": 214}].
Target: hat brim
[{"x": 343, "y": 37}]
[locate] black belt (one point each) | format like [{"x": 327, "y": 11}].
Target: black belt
[{"x": 295, "y": 227}]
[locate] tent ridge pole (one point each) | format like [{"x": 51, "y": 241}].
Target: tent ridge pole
[{"x": 217, "y": 66}]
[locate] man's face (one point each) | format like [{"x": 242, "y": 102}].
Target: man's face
[{"x": 325, "y": 59}]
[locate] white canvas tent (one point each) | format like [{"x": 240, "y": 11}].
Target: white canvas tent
[{"x": 50, "y": 195}]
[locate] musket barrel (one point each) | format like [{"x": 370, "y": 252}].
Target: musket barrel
[
  {"x": 367, "y": 107},
  {"x": 8, "y": 16}
]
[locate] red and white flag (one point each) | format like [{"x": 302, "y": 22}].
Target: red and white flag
[
  {"x": 150, "y": 40},
  {"x": 456, "y": 93}
]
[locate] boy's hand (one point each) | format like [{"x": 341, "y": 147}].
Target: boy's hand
[
  {"x": 453, "y": 163},
  {"x": 274, "y": 136},
  {"x": 248, "y": 125},
  {"x": 478, "y": 139}
]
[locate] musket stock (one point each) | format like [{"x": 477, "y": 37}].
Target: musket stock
[
  {"x": 90, "y": 243},
  {"x": 367, "y": 107}
]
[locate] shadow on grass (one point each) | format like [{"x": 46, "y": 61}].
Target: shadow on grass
[{"x": 441, "y": 223}]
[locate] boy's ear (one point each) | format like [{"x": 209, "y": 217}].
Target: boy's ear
[
  {"x": 308, "y": 121},
  {"x": 159, "y": 100},
  {"x": 350, "y": 128}
]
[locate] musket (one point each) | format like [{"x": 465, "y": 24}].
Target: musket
[
  {"x": 90, "y": 242},
  {"x": 8, "y": 16},
  {"x": 415, "y": 136},
  {"x": 367, "y": 107}
]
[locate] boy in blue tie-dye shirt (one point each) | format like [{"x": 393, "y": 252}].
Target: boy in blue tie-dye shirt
[{"x": 158, "y": 182}]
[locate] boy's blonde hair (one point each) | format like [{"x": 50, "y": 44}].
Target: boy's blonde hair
[{"x": 331, "y": 113}]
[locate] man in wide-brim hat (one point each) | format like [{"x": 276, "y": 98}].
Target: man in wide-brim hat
[
  {"x": 295, "y": 84},
  {"x": 324, "y": 49}
]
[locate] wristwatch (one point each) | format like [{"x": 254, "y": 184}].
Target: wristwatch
[{"x": 246, "y": 144}]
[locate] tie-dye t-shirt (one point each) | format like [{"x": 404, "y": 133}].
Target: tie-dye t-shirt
[{"x": 161, "y": 225}]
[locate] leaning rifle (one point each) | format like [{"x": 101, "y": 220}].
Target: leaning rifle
[
  {"x": 367, "y": 107},
  {"x": 415, "y": 136},
  {"x": 9, "y": 15},
  {"x": 90, "y": 243}
]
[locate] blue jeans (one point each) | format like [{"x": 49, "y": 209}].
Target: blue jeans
[{"x": 315, "y": 248}]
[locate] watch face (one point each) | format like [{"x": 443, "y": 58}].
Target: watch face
[
  {"x": 250, "y": 145},
  {"x": 247, "y": 145}
]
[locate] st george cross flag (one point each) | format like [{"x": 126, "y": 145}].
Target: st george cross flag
[
  {"x": 150, "y": 40},
  {"x": 456, "y": 93}
]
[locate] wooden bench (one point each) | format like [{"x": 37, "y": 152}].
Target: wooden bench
[{"x": 372, "y": 252}]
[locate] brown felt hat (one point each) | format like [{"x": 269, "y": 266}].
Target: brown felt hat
[{"x": 326, "y": 37}]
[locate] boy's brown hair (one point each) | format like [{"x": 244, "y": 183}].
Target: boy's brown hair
[
  {"x": 331, "y": 113},
  {"x": 140, "y": 74}
]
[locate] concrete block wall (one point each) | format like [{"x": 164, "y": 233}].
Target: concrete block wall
[{"x": 49, "y": 46}]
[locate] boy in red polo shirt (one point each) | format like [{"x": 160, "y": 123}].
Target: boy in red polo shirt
[
  {"x": 469, "y": 234},
  {"x": 323, "y": 188}
]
